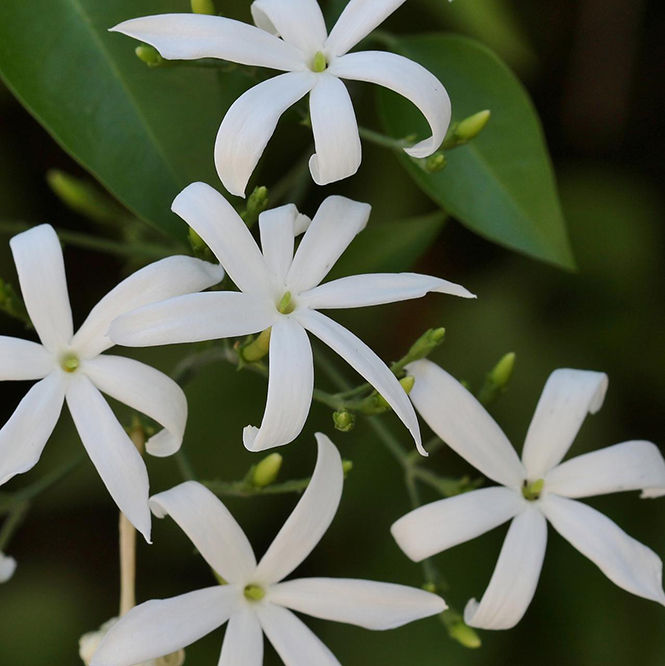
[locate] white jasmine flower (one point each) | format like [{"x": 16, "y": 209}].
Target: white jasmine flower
[
  {"x": 283, "y": 292},
  {"x": 256, "y": 600},
  {"x": 70, "y": 367},
  {"x": 7, "y": 567},
  {"x": 314, "y": 62},
  {"x": 537, "y": 489}
]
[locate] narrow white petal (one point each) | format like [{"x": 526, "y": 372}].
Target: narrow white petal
[
  {"x": 568, "y": 396},
  {"x": 635, "y": 465},
  {"x": 337, "y": 222},
  {"x": 298, "y": 22},
  {"x": 278, "y": 232},
  {"x": 112, "y": 452},
  {"x": 336, "y": 139},
  {"x": 210, "y": 527},
  {"x": 23, "y": 437},
  {"x": 147, "y": 391},
  {"x": 294, "y": 642},
  {"x": 162, "y": 626},
  {"x": 653, "y": 493},
  {"x": 515, "y": 577},
  {"x": 357, "y": 291},
  {"x": 290, "y": 387},
  {"x": 462, "y": 422},
  {"x": 41, "y": 274},
  {"x": 24, "y": 360},
  {"x": 407, "y": 78},
  {"x": 194, "y": 318},
  {"x": 249, "y": 124},
  {"x": 309, "y": 520},
  {"x": 173, "y": 276},
  {"x": 194, "y": 36},
  {"x": 435, "y": 527},
  {"x": 216, "y": 221},
  {"x": 367, "y": 364},
  {"x": 357, "y": 20},
  {"x": 243, "y": 642},
  {"x": 365, "y": 603},
  {"x": 625, "y": 561},
  {"x": 7, "y": 567}
]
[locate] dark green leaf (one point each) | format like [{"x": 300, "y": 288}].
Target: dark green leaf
[
  {"x": 501, "y": 185},
  {"x": 144, "y": 133}
]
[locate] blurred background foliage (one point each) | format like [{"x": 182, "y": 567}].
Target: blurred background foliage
[{"x": 594, "y": 70}]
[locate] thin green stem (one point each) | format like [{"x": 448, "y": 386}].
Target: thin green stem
[
  {"x": 49, "y": 479},
  {"x": 12, "y": 523},
  {"x": 244, "y": 489},
  {"x": 385, "y": 141}
]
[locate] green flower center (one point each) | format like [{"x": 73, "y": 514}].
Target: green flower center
[
  {"x": 70, "y": 362},
  {"x": 319, "y": 63},
  {"x": 286, "y": 305},
  {"x": 254, "y": 592},
  {"x": 531, "y": 491}
]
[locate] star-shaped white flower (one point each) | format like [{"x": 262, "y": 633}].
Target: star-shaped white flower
[
  {"x": 255, "y": 600},
  {"x": 282, "y": 291},
  {"x": 7, "y": 567},
  {"x": 71, "y": 367},
  {"x": 537, "y": 489},
  {"x": 314, "y": 62}
]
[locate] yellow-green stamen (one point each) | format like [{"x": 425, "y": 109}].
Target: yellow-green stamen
[
  {"x": 254, "y": 592},
  {"x": 70, "y": 362},
  {"x": 531, "y": 491},
  {"x": 286, "y": 306},
  {"x": 319, "y": 64}
]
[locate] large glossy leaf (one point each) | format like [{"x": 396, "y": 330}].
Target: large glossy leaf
[
  {"x": 501, "y": 185},
  {"x": 144, "y": 133}
]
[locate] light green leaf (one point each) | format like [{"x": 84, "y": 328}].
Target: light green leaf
[
  {"x": 501, "y": 185},
  {"x": 145, "y": 134}
]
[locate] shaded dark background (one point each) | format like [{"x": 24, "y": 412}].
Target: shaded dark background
[{"x": 595, "y": 70}]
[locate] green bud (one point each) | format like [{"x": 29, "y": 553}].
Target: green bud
[
  {"x": 257, "y": 202},
  {"x": 344, "y": 420},
  {"x": 502, "y": 372},
  {"x": 319, "y": 63},
  {"x": 429, "y": 587},
  {"x": 265, "y": 472},
  {"x": 347, "y": 466},
  {"x": 465, "y": 635},
  {"x": 83, "y": 197},
  {"x": 435, "y": 163},
  {"x": 471, "y": 127},
  {"x": 425, "y": 344},
  {"x": 200, "y": 248},
  {"x": 407, "y": 383},
  {"x": 257, "y": 348},
  {"x": 204, "y": 7},
  {"x": 149, "y": 55}
]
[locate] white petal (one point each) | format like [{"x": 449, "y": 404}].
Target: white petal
[
  {"x": 367, "y": 364},
  {"x": 23, "y": 437},
  {"x": 194, "y": 36},
  {"x": 625, "y": 561},
  {"x": 309, "y": 520},
  {"x": 298, "y": 22},
  {"x": 23, "y": 360},
  {"x": 337, "y": 222},
  {"x": 568, "y": 396},
  {"x": 653, "y": 493},
  {"x": 41, "y": 273},
  {"x": 357, "y": 20},
  {"x": 409, "y": 79},
  {"x": 294, "y": 642},
  {"x": 357, "y": 291},
  {"x": 365, "y": 603},
  {"x": 194, "y": 318},
  {"x": 243, "y": 642},
  {"x": 162, "y": 626},
  {"x": 278, "y": 232},
  {"x": 216, "y": 221},
  {"x": 173, "y": 276},
  {"x": 435, "y": 527},
  {"x": 210, "y": 527},
  {"x": 515, "y": 577},
  {"x": 147, "y": 391},
  {"x": 112, "y": 452},
  {"x": 290, "y": 387},
  {"x": 336, "y": 139},
  {"x": 635, "y": 465},
  {"x": 462, "y": 422},
  {"x": 249, "y": 124},
  {"x": 7, "y": 567}
]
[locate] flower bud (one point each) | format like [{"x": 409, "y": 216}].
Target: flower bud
[
  {"x": 407, "y": 383},
  {"x": 435, "y": 163},
  {"x": 459, "y": 631},
  {"x": 471, "y": 127},
  {"x": 347, "y": 466},
  {"x": 257, "y": 202},
  {"x": 426, "y": 343},
  {"x": 150, "y": 55},
  {"x": 266, "y": 471},
  {"x": 502, "y": 372},
  {"x": 256, "y": 349},
  {"x": 83, "y": 197},
  {"x": 344, "y": 420},
  {"x": 7, "y": 567},
  {"x": 204, "y": 7}
]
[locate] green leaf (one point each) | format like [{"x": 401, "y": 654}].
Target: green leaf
[
  {"x": 501, "y": 185},
  {"x": 144, "y": 133},
  {"x": 390, "y": 247}
]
